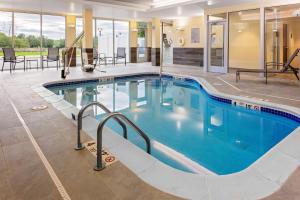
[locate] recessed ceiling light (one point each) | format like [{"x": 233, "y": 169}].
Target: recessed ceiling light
[
  {"x": 162, "y": 3},
  {"x": 179, "y": 10},
  {"x": 72, "y": 7}
]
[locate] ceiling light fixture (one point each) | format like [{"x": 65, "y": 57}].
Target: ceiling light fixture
[
  {"x": 210, "y": 2},
  {"x": 163, "y": 3},
  {"x": 72, "y": 7},
  {"x": 179, "y": 11}
]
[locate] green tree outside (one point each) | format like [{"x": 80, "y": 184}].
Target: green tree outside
[{"x": 30, "y": 41}]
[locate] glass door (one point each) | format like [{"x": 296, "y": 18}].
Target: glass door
[
  {"x": 142, "y": 42},
  {"x": 217, "y": 47}
]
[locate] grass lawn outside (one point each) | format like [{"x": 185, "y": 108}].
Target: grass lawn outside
[{"x": 27, "y": 53}]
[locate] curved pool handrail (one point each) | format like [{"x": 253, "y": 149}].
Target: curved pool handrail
[
  {"x": 79, "y": 145},
  {"x": 99, "y": 165}
]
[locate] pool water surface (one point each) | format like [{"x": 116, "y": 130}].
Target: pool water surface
[{"x": 188, "y": 129}]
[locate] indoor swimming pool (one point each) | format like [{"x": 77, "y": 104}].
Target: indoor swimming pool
[{"x": 189, "y": 128}]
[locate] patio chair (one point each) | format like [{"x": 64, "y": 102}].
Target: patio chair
[
  {"x": 9, "y": 55},
  {"x": 121, "y": 54},
  {"x": 102, "y": 58},
  {"x": 53, "y": 56},
  {"x": 286, "y": 68}
]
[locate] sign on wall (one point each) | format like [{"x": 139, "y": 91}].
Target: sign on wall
[{"x": 195, "y": 35}]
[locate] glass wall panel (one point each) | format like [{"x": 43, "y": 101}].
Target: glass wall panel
[
  {"x": 282, "y": 35},
  {"x": 168, "y": 44},
  {"x": 27, "y": 34},
  {"x": 122, "y": 36},
  {"x": 5, "y": 30},
  {"x": 79, "y": 29},
  {"x": 95, "y": 39},
  {"x": 53, "y": 32},
  {"x": 79, "y": 25},
  {"x": 244, "y": 39},
  {"x": 104, "y": 29},
  {"x": 142, "y": 42}
]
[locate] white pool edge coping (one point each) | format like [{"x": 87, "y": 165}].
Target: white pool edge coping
[{"x": 262, "y": 178}]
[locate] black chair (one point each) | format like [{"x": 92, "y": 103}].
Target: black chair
[
  {"x": 9, "y": 55},
  {"x": 121, "y": 54},
  {"x": 53, "y": 56}
]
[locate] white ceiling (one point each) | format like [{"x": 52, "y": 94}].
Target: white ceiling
[{"x": 120, "y": 9}]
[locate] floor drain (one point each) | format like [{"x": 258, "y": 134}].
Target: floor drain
[{"x": 38, "y": 108}]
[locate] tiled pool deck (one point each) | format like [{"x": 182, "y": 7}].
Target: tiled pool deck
[{"x": 22, "y": 174}]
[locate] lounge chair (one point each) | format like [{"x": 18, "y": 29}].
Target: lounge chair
[
  {"x": 286, "y": 68},
  {"x": 121, "y": 54},
  {"x": 9, "y": 55},
  {"x": 53, "y": 56}
]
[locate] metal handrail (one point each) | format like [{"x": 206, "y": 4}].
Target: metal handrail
[
  {"x": 99, "y": 165},
  {"x": 65, "y": 54},
  {"x": 79, "y": 145}
]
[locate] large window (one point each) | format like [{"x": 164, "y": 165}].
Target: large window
[
  {"x": 95, "y": 38},
  {"x": 104, "y": 29},
  {"x": 282, "y": 35},
  {"x": 79, "y": 29},
  {"x": 53, "y": 32},
  {"x": 142, "y": 42},
  {"x": 30, "y": 33},
  {"x": 244, "y": 39},
  {"x": 53, "y": 29},
  {"x": 5, "y": 29},
  {"x": 122, "y": 36},
  {"x": 27, "y": 34},
  {"x": 79, "y": 25}
]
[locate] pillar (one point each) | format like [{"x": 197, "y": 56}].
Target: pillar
[
  {"x": 156, "y": 42},
  {"x": 87, "y": 28},
  {"x": 70, "y": 37},
  {"x": 70, "y": 29},
  {"x": 133, "y": 41},
  {"x": 262, "y": 36},
  {"x": 149, "y": 41}
]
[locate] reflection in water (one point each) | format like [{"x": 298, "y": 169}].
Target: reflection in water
[{"x": 188, "y": 130}]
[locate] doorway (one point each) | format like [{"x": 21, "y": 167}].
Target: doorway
[{"x": 217, "y": 47}]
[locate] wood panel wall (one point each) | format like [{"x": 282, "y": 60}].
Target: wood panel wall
[{"x": 188, "y": 56}]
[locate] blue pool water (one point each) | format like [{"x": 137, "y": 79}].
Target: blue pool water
[{"x": 188, "y": 129}]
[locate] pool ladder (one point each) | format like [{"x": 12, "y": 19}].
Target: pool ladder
[{"x": 111, "y": 115}]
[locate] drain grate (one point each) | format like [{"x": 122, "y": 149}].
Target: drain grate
[{"x": 38, "y": 108}]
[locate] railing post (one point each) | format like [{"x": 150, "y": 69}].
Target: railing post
[
  {"x": 79, "y": 145},
  {"x": 99, "y": 164}
]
